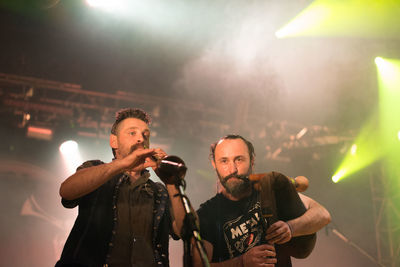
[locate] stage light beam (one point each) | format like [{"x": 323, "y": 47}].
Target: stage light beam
[
  {"x": 389, "y": 99},
  {"x": 353, "y": 149},
  {"x": 339, "y": 175},
  {"x": 353, "y": 18},
  {"x": 71, "y": 155},
  {"x": 100, "y": 3},
  {"x": 69, "y": 147},
  {"x": 378, "y": 139},
  {"x": 306, "y": 20},
  {"x": 366, "y": 150}
]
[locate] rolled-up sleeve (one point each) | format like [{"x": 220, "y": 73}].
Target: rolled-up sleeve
[{"x": 70, "y": 204}]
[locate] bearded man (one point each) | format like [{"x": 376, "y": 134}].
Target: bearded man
[
  {"x": 124, "y": 217},
  {"x": 231, "y": 224}
]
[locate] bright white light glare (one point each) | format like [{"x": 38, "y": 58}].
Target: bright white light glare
[
  {"x": 69, "y": 147},
  {"x": 71, "y": 156},
  {"x": 398, "y": 135},
  {"x": 307, "y": 20},
  {"x": 301, "y": 133},
  {"x": 379, "y": 60},
  {"x": 339, "y": 175},
  {"x": 388, "y": 70},
  {"x": 353, "y": 149},
  {"x": 99, "y": 3},
  {"x": 106, "y": 4}
]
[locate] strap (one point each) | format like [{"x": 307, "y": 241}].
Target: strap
[
  {"x": 267, "y": 200},
  {"x": 278, "y": 191}
]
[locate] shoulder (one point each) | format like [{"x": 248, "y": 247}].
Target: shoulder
[{"x": 210, "y": 205}]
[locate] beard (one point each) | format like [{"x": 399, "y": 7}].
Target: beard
[{"x": 238, "y": 187}]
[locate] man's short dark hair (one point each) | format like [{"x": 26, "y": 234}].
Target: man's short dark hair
[
  {"x": 125, "y": 113},
  {"x": 250, "y": 146}
]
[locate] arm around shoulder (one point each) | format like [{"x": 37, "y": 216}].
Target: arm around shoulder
[{"x": 314, "y": 219}]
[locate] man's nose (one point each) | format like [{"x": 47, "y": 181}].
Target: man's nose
[
  {"x": 232, "y": 167},
  {"x": 139, "y": 139}
]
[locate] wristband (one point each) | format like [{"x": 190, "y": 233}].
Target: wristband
[{"x": 291, "y": 229}]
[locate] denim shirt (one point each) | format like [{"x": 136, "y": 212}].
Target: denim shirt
[{"x": 91, "y": 237}]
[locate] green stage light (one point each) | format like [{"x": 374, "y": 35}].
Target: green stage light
[
  {"x": 353, "y": 149},
  {"x": 368, "y": 18},
  {"x": 388, "y": 74},
  {"x": 365, "y": 150},
  {"x": 379, "y": 137},
  {"x": 379, "y": 61},
  {"x": 305, "y": 21},
  {"x": 339, "y": 175},
  {"x": 389, "y": 96}
]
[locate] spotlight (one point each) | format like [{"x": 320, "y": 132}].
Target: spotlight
[
  {"x": 25, "y": 119},
  {"x": 71, "y": 155},
  {"x": 388, "y": 72},
  {"x": 105, "y": 4},
  {"x": 379, "y": 60},
  {"x": 69, "y": 147},
  {"x": 98, "y": 3},
  {"x": 338, "y": 176},
  {"x": 39, "y": 133},
  {"x": 353, "y": 149},
  {"x": 301, "y": 133}
]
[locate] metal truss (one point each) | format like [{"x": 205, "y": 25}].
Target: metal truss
[
  {"x": 386, "y": 216},
  {"x": 91, "y": 113},
  {"x": 66, "y": 107}
]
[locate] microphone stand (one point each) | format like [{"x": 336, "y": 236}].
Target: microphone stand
[
  {"x": 190, "y": 229},
  {"x": 173, "y": 166},
  {"x": 346, "y": 240}
]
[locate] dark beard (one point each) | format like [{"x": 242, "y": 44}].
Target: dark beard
[{"x": 238, "y": 189}]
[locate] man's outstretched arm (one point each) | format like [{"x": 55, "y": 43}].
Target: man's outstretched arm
[
  {"x": 89, "y": 179},
  {"x": 314, "y": 219}
]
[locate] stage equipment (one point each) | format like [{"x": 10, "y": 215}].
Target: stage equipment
[
  {"x": 174, "y": 167},
  {"x": 362, "y": 251}
]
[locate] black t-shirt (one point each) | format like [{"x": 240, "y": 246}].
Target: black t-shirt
[{"x": 233, "y": 227}]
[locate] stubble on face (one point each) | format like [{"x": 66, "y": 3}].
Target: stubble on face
[{"x": 124, "y": 148}]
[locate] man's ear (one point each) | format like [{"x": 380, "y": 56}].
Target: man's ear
[
  {"x": 252, "y": 163},
  {"x": 113, "y": 141},
  {"x": 213, "y": 163}
]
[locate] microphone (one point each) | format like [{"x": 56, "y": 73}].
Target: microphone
[
  {"x": 172, "y": 166},
  {"x": 299, "y": 182}
]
